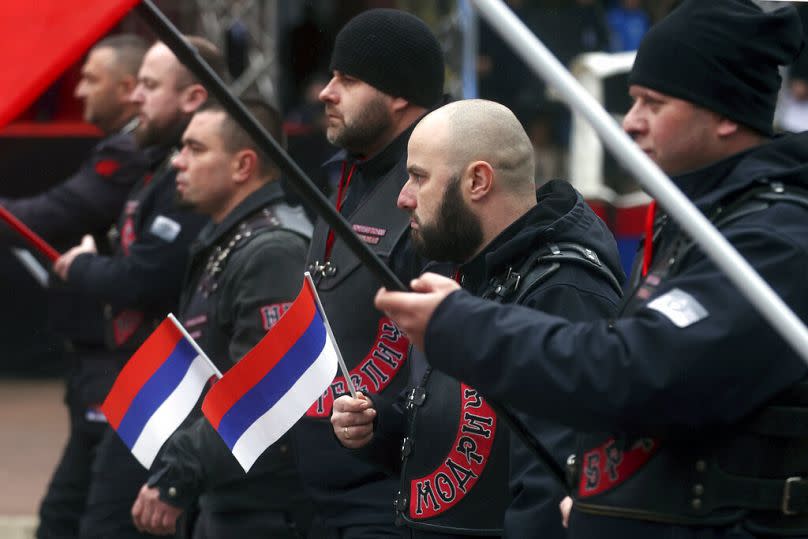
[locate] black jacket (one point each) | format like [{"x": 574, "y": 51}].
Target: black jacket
[
  {"x": 228, "y": 304},
  {"x": 144, "y": 273},
  {"x": 643, "y": 374},
  {"x": 87, "y": 202},
  {"x": 574, "y": 291}
]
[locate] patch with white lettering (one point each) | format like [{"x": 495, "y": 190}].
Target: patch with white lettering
[
  {"x": 373, "y": 373},
  {"x": 164, "y": 228},
  {"x": 679, "y": 307},
  {"x": 442, "y": 489},
  {"x": 270, "y": 314},
  {"x": 609, "y": 465},
  {"x": 369, "y": 234}
]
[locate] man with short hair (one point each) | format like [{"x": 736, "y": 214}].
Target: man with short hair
[
  {"x": 387, "y": 71},
  {"x": 694, "y": 406},
  {"x": 246, "y": 268},
  {"x": 86, "y": 202},
  {"x": 472, "y": 202},
  {"x": 140, "y": 281}
]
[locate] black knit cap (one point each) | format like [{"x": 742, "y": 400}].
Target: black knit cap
[
  {"x": 722, "y": 55},
  {"x": 393, "y": 51}
]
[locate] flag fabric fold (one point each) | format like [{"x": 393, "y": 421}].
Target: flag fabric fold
[
  {"x": 156, "y": 390},
  {"x": 264, "y": 394},
  {"x": 40, "y": 39}
]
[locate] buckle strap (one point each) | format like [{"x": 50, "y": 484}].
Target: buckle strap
[{"x": 788, "y": 496}]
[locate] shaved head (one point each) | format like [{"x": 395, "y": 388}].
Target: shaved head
[{"x": 479, "y": 130}]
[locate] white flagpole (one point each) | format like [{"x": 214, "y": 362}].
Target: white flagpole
[
  {"x": 342, "y": 365},
  {"x": 653, "y": 180},
  {"x": 193, "y": 343}
]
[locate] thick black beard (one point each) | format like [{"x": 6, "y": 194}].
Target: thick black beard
[
  {"x": 456, "y": 233},
  {"x": 369, "y": 126}
]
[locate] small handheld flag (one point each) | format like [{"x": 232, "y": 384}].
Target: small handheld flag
[
  {"x": 157, "y": 389},
  {"x": 264, "y": 394}
]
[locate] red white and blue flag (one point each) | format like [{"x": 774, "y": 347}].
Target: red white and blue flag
[
  {"x": 264, "y": 394},
  {"x": 156, "y": 390}
]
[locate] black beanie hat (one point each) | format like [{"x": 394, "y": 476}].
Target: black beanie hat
[
  {"x": 393, "y": 51},
  {"x": 722, "y": 55}
]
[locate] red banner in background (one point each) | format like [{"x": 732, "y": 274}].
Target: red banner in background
[{"x": 40, "y": 39}]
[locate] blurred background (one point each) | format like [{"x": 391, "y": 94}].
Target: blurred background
[{"x": 281, "y": 48}]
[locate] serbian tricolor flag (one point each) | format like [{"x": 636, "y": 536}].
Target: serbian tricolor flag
[
  {"x": 265, "y": 393},
  {"x": 156, "y": 390}
]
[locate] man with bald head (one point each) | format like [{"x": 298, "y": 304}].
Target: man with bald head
[{"x": 472, "y": 203}]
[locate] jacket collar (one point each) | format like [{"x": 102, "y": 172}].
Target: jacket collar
[{"x": 269, "y": 193}]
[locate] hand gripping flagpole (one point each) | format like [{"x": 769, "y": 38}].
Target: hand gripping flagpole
[
  {"x": 191, "y": 340},
  {"x": 653, "y": 180},
  {"x": 169, "y": 35},
  {"x": 344, "y": 368}
]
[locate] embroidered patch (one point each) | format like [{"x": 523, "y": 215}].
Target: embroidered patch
[
  {"x": 442, "y": 489},
  {"x": 373, "y": 373},
  {"x": 93, "y": 414},
  {"x": 369, "y": 234},
  {"x": 679, "y": 307},
  {"x": 125, "y": 324},
  {"x": 607, "y": 466},
  {"x": 372, "y": 230},
  {"x": 164, "y": 228},
  {"x": 270, "y": 314},
  {"x": 107, "y": 167}
]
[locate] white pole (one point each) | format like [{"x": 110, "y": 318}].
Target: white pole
[
  {"x": 689, "y": 218},
  {"x": 341, "y": 361},
  {"x": 193, "y": 343}
]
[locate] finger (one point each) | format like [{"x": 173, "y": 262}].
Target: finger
[
  {"x": 393, "y": 302},
  {"x": 349, "y": 404},
  {"x": 155, "y": 520},
  {"x": 352, "y": 419},
  {"x": 169, "y": 523},
  {"x": 432, "y": 282}
]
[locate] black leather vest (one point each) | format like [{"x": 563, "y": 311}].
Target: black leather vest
[
  {"x": 456, "y": 456},
  {"x": 374, "y": 349},
  {"x": 455, "y": 461},
  {"x": 200, "y": 301},
  {"x": 755, "y": 473}
]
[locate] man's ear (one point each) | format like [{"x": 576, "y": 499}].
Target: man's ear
[
  {"x": 726, "y": 127},
  {"x": 245, "y": 163},
  {"x": 126, "y": 85},
  {"x": 480, "y": 176},
  {"x": 192, "y": 98},
  {"x": 397, "y": 104}
]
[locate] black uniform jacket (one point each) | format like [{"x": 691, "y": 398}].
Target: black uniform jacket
[
  {"x": 698, "y": 360},
  {"x": 88, "y": 201},
  {"x": 229, "y": 310},
  {"x": 145, "y": 270},
  {"x": 573, "y": 291}
]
